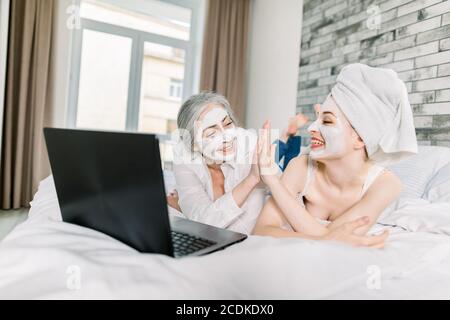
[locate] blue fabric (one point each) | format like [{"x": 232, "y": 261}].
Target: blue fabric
[{"x": 288, "y": 150}]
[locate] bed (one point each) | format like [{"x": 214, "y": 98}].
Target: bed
[{"x": 45, "y": 258}]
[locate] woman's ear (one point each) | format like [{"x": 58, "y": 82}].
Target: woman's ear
[{"x": 359, "y": 143}]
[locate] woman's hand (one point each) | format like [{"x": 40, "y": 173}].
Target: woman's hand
[
  {"x": 266, "y": 156},
  {"x": 172, "y": 200},
  {"x": 346, "y": 233},
  {"x": 254, "y": 174}
]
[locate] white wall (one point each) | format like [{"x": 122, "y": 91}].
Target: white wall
[
  {"x": 4, "y": 22},
  {"x": 273, "y": 60},
  {"x": 61, "y": 58}
]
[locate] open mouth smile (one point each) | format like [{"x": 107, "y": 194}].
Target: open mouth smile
[{"x": 317, "y": 143}]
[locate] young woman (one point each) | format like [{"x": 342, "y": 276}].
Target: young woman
[{"x": 365, "y": 121}]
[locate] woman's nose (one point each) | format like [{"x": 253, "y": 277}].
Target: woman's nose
[{"x": 313, "y": 127}]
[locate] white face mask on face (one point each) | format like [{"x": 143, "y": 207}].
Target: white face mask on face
[
  {"x": 211, "y": 147},
  {"x": 333, "y": 135}
]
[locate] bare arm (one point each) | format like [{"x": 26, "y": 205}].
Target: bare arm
[
  {"x": 284, "y": 194},
  {"x": 244, "y": 188},
  {"x": 380, "y": 195},
  {"x": 271, "y": 221}
]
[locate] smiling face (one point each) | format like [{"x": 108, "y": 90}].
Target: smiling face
[
  {"x": 216, "y": 134},
  {"x": 332, "y": 136}
]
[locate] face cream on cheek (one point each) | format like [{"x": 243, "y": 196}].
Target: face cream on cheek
[
  {"x": 211, "y": 148},
  {"x": 334, "y": 139}
]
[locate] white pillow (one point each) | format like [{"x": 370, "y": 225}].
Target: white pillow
[
  {"x": 438, "y": 188},
  {"x": 417, "y": 171}
]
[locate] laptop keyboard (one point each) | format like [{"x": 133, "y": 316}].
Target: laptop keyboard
[{"x": 184, "y": 244}]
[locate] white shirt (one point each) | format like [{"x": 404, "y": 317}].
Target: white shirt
[{"x": 195, "y": 190}]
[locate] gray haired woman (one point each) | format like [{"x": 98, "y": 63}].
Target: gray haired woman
[{"x": 218, "y": 182}]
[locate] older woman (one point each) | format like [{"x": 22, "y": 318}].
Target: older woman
[
  {"x": 216, "y": 179},
  {"x": 217, "y": 172}
]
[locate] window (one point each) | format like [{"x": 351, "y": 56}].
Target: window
[
  {"x": 133, "y": 63},
  {"x": 176, "y": 88}
]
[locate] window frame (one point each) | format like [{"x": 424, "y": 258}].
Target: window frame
[{"x": 192, "y": 48}]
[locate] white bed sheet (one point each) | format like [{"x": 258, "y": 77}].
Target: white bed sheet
[{"x": 41, "y": 257}]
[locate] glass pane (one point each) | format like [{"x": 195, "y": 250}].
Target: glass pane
[
  {"x": 104, "y": 75},
  {"x": 145, "y": 15},
  {"x": 161, "y": 89}
]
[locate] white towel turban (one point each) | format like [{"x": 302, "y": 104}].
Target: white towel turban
[{"x": 375, "y": 102}]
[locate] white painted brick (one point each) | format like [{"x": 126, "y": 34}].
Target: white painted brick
[
  {"x": 444, "y": 70},
  {"x": 388, "y": 15},
  {"x": 322, "y": 7},
  {"x": 441, "y": 135},
  {"x": 423, "y": 143},
  {"x": 443, "y": 143},
  {"x": 309, "y": 52},
  {"x": 319, "y": 73},
  {"x": 433, "y": 59},
  {"x": 381, "y": 59},
  {"x": 332, "y": 62},
  {"x": 320, "y": 57},
  {"x": 320, "y": 40},
  {"x": 409, "y": 87},
  {"x": 433, "y": 84},
  {"x": 444, "y": 44},
  {"x": 309, "y": 68},
  {"x": 436, "y": 10},
  {"x": 338, "y": 7},
  {"x": 443, "y": 95},
  {"x": 307, "y": 100},
  {"x": 346, "y": 49},
  {"x": 432, "y": 108},
  {"x": 418, "y": 74},
  {"x": 327, "y": 80},
  {"x": 333, "y": 27},
  {"x": 357, "y": 17},
  {"x": 312, "y": 19},
  {"x": 441, "y": 121},
  {"x": 396, "y": 45},
  {"x": 446, "y": 19},
  {"x": 423, "y": 121},
  {"x": 419, "y": 27},
  {"x": 400, "y": 65},
  {"x": 361, "y": 35},
  {"x": 421, "y": 97},
  {"x": 416, "y": 51},
  {"x": 414, "y": 6},
  {"x": 403, "y": 21},
  {"x": 302, "y": 77},
  {"x": 313, "y": 91},
  {"x": 434, "y": 34},
  {"x": 387, "y": 5}
]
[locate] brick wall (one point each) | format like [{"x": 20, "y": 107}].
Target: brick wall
[{"x": 410, "y": 37}]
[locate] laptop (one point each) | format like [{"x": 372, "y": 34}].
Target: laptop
[{"x": 112, "y": 182}]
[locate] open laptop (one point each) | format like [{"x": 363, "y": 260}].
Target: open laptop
[{"x": 113, "y": 182}]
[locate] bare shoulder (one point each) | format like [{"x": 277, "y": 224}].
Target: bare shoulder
[
  {"x": 295, "y": 174},
  {"x": 389, "y": 181}
]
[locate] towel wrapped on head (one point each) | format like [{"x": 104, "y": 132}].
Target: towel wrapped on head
[{"x": 375, "y": 102}]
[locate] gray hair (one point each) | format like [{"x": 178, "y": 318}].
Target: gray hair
[{"x": 190, "y": 112}]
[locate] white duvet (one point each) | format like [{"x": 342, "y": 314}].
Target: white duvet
[{"x": 44, "y": 258}]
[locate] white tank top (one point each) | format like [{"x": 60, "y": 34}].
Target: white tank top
[{"x": 374, "y": 172}]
